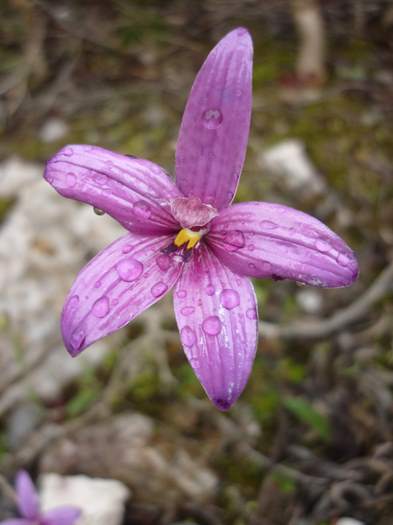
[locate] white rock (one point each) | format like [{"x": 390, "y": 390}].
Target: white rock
[
  {"x": 100, "y": 500},
  {"x": 349, "y": 521},
  {"x": 310, "y": 301},
  {"x": 53, "y": 129},
  {"x": 44, "y": 241},
  {"x": 288, "y": 160}
]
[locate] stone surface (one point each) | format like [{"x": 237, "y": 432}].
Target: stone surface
[
  {"x": 100, "y": 500},
  {"x": 44, "y": 241},
  {"x": 152, "y": 463}
]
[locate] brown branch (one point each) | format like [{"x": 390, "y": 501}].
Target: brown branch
[{"x": 345, "y": 317}]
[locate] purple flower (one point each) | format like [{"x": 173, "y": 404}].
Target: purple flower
[
  {"x": 29, "y": 507},
  {"x": 188, "y": 237}
]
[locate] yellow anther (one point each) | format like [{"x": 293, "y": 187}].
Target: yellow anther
[{"x": 187, "y": 236}]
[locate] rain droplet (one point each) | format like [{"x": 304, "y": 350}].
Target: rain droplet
[
  {"x": 322, "y": 246},
  {"x": 251, "y": 247},
  {"x": 68, "y": 152},
  {"x": 77, "y": 339},
  {"x": 158, "y": 289},
  {"x": 252, "y": 314},
  {"x": 234, "y": 240},
  {"x": 100, "y": 179},
  {"x": 127, "y": 248},
  {"x": 251, "y": 266},
  {"x": 181, "y": 294},
  {"x": 129, "y": 269},
  {"x": 229, "y": 298},
  {"x": 210, "y": 289},
  {"x": 187, "y": 335},
  {"x": 71, "y": 180},
  {"x": 73, "y": 302},
  {"x": 101, "y": 307},
  {"x": 97, "y": 284},
  {"x": 187, "y": 310},
  {"x": 212, "y": 118},
  {"x": 142, "y": 209},
  {"x": 212, "y": 325},
  {"x": 163, "y": 262},
  {"x": 97, "y": 211},
  {"x": 266, "y": 267},
  {"x": 268, "y": 225},
  {"x": 343, "y": 259}
]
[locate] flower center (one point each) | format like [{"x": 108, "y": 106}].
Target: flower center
[{"x": 188, "y": 236}]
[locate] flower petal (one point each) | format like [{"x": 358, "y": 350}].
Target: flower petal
[
  {"x": 133, "y": 191},
  {"x": 260, "y": 239},
  {"x": 114, "y": 287},
  {"x": 28, "y": 502},
  {"x": 216, "y": 313},
  {"x": 214, "y": 131},
  {"x": 16, "y": 521},
  {"x": 66, "y": 515}
]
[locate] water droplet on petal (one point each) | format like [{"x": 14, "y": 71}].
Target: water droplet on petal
[
  {"x": 101, "y": 307},
  {"x": 252, "y": 314},
  {"x": 230, "y": 298},
  {"x": 77, "y": 339},
  {"x": 163, "y": 262},
  {"x": 187, "y": 310},
  {"x": 266, "y": 267},
  {"x": 251, "y": 266},
  {"x": 68, "y": 152},
  {"x": 97, "y": 284},
  {"x": 187, "y": 335},
  {"x": 212, "y": 325},
  {"x": 129, "y": 269},
  {"x": 100, "y": 179},
  {"x": 343, "y": 259},
  {"x": 73, "y": 302},
  {"x": 268, "y": 225},
  {"x": 158, "y": 289},
  {"x": 234, "y": 240},
  {"x": 127, "y": 248},
  {"x": 70, "y": 180},
  {"x": 181, "y": 294},
  {"x": 97, "y": 211},
  {"x": 142, "y": 209},
  {"x": 322, "y": 246},
  {"x": 212, "y": 118},
  {"x": 210, "y": 289}
]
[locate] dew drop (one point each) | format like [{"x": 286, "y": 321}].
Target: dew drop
[
  {"x": 212, "y": 325},
  {"x": 142, "y": 209},
  {"x": 343, "y": 259},
  {"x": 127, "y": 248},
  {"x": 229, "y": 298},
  {"x": 266, "y": 266},
  {"x": 97, "y": 211},
  {"x": 158, "y": 289},
  {"x": 251, "y": 247},
  {"x": 187, "y": 335},
  {"x": 322, "y": 246},
  {"x": 68, "y": 152},
  {"x": 77, "y": 339},
  {"x": 70, "y": 180},
  {"x": 234, "y": 240},
  {"x": 181, "y": 294},
  {"x": 163, "y": 262},
  {"x": 251, "y": 266},
  {"x": 100, "y": 179},
  {"x": 252, "y": 314},
  {"x": 210, "y": 289},
  {"x": 129, "y": 269},
  {"x": 101, "y": 307},
  {"x": 73, "y": 302},
  {"x": 97, "y": 284},
  {"x": 268, "y": 225},
  {"x": 212, "y": 118},
  {"x": 187, "y": 310}
]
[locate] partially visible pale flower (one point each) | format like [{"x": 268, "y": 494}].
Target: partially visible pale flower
[
  {"x": 29, "y": 507},
  {"x": 188, "y": 237}
]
